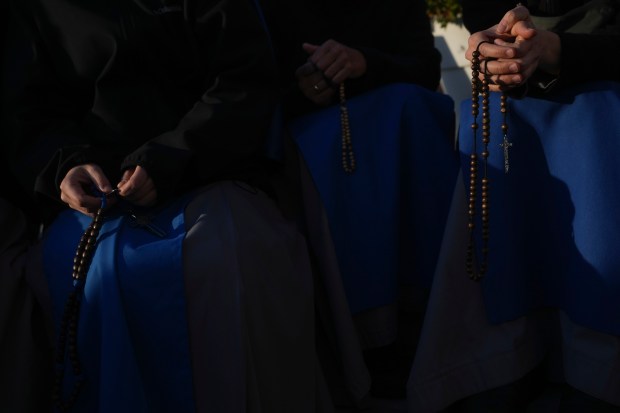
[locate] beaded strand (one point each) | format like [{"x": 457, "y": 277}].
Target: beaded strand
[
  {"x": 480, "y": 88},
  {"x": 67, "y": 337},
  {"x": 348, "y": 156}
]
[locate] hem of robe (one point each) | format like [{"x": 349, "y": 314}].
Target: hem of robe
[{"x": 461, "y": 353}]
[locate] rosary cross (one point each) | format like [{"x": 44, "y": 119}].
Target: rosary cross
[{"x": 506, "y": 145}]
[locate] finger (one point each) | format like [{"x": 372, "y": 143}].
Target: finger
[
  {"x": 342, "y": 75},
  {"x": 526, "y": 55},
  {"x": 476, "y": 40},
  {"x": 519, "y": 13},
  {"x": 86, "y": 204},
  {"x": 326, "y": 54},
  {"x": 341, "y": 62},
  {"x": 145, "y": 192},
  {"x": 325, "y": 60},
  {"x": 131, "y": 180},
  {"x": 138, "y": 186},
  {"x": 524, "y": 30},
  {"x": 98, "y": 178},
  {"x": 305, "y": 70},
  {"x": 73, "y": 194},
  {"x": 496, "y": 51},
  {"x": 503, "y": 43},
  {"x": 127, "y": 174},
  {"x": 72, "y": 188},
  {"x": 501, "y": 67},
  {"x": 320, "y": 86},
  {"x": 309, "y": 48},
  {"x": 521, "y": 49},
  {"x": 504, "y": 81},
  {"x": 141, "y": 189},
  {"x": 307, "y": 82}
]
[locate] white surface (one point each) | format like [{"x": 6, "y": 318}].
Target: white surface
[{"x": 451, "y": 41}]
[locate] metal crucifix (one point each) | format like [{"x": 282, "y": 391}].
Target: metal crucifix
[{"x": 506, "y": 144}]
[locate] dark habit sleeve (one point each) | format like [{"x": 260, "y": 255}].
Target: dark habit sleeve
[
  {"x": 225, "y": 130},
  {"x": 576, "y": 69},
  {"x": 221, "y": 132},
  {"x": 53, "y": 128},
  {"x": 407, "y": 53}
]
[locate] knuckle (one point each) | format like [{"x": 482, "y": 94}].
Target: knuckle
[{"x": 82, "y": 203}]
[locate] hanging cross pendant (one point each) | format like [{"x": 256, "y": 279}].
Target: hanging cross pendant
[
  {"x": 144, "y": 222},
  {"x": 506, "y": 145}
]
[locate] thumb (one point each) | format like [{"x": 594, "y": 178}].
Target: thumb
[
  {"x": 129, "y": 182},
  {"x": 126, "y": 175},
  {"x": 98, "y": 178},
  {"x": 524, "y": 32},
  {"x": 139, "y": 175},
  {"x": 309, "y": 48}
]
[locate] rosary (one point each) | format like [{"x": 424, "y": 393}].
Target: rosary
[
  {"x": 67, "y": 337},
  {"x": 67, "y": 347},
  {"x": 348, "y": 156},
  {"x": 481, "y": 88}
]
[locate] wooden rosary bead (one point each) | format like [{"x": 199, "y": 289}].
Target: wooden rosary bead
[
  {"x": 480, "y": 89},
  {"x": 348, "y": 156},
  {"x": 67, "y": 347}
]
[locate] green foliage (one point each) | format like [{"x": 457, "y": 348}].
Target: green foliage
[{"x": 444, "y": 11}]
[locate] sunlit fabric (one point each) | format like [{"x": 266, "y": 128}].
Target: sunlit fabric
[{"x": 554, "y": 217}]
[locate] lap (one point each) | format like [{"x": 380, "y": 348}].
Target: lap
[
  {"x": 462, "y": 353},
  {"x": 250, "y": 302},
  {"x": 230, "y": 283}
]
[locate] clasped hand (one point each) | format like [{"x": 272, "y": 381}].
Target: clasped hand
[
  {"x": 136, "y": 186},
  {"x": 514, "y": 50},
  {"x": 328, "y": 65}
]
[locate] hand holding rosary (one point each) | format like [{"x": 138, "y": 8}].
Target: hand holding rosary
[{"x": 480, "y": 87}]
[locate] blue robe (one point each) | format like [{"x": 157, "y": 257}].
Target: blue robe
[
  {"x": 133, "y": 361},
  {"x": 554, "y": 217},
  {"x": 387, "y": 218}
]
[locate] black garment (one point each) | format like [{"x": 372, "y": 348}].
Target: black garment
[
  {"x": 185, "y": 90},
  {"x": 481, "y": 14},
  {"x": 603, "y": 47},
  {"x": 394, "y": 36},
  {"x": 605, "y": 62},
  {"x": 15, "y": 52},
  {"x": 26, "y": 375}
]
